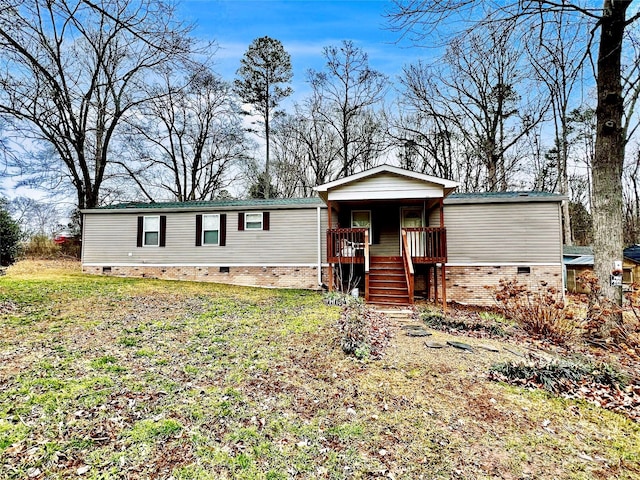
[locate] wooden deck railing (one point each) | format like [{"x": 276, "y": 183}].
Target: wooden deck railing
[
  {"x": 427, "y": 244},
  {"x": 408, "y": 266},
  {"x": 348, "y": 245}
]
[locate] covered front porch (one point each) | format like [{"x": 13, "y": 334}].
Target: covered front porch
[{"x": 387, "y": 236}]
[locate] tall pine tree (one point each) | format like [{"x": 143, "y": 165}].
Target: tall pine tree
[{"x": 264, "y": 70}]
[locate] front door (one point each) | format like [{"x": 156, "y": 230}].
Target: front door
[{"x": 412, "y": 217}]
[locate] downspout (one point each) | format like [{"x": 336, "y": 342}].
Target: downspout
[{"x": 319, "y": 210}]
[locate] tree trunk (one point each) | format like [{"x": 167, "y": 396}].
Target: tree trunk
[
  {"x": 609, "y": 152},
  {"x": 563, "y": 154},
  {"x": 267, "y": 134}
]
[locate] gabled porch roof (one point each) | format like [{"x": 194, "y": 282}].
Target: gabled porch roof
[{"x": 386, "y": 182}]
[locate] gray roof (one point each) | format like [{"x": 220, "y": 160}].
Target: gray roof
[
  {"x": 280, "y": 203},
  {"x": 576, "y": 250},
  {"x": 233, "y": 204},
  {"x": 504, "y": 197}
]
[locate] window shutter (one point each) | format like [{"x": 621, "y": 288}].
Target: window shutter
[
  {"x": 265, "y": 221},
  {"x": 223, "y": 229},
  {"x": 198, "y": 230},
  {"x": 163, "y": 230},
  {"x": 140, "y": 228},
  {"x": 240, "y": 220}
]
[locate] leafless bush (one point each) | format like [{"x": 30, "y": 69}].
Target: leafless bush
[
  {"x": 42, "y": 247},
  {"x": 365, "y": 332},
  {"x": 540, "y": 313}
]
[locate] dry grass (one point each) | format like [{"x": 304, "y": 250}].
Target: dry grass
[{"x": 121, "y": 378}]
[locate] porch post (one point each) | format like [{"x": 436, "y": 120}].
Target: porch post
[
  {"x": 435, "y": 283},
  {"x": 443, "y": 268},
  {"x": 444, "y": 288},
  {"x": 329, "y": 226}
]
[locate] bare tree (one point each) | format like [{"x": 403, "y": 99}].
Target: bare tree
[
  {"x": 290, "y": 157},
  {"x": 582, "y": 124},
  {"x": 632, "y": 200},
  {"x": 264, "y": 68},
  {"x": 35, "y": 217},
  {"x": 428, "y": 134},
  {"x": 307, "y": 150},
  {"x": 558, "y": 63},
  {"x": 610, "y": 23},
  {"x": 425, "y": 142},
  {"x": 71, "y": 71},
  {"x": 345, "y": 93},
  {"x": 187, "y": 140},
  {"x": 475, "y": 89}
]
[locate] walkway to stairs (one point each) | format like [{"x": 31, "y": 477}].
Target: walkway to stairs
[{"x": 387, "y": 281}]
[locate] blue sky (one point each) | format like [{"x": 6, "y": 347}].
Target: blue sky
[{"x": 303, "y": 26}]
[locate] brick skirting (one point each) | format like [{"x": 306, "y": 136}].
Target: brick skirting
[
  {"x": 464, "y": 284},
  {"x": 280, "y": 277},
  {"x": 469, "y": 284}
]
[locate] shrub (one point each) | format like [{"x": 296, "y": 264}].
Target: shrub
[
  {"x": 631, "y": 326},
  {"x": 557, "y": 376},
  {"x": 364, "y": 332},
  {"x": 9, "y": 237},
  {"x": 71, "y": 248},
  {"x": 334, "y": 297},
  {"x": 434, "y": 318},
  {"x": 606, "y": 323},
  {"x": 540, "y": 313},
  {"x": 41, "y": 246}
]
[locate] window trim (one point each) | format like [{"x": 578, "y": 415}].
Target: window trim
[
  {"x": 202, "y": 237},
  {"x": 145, "y": 231},
  {"x": 370, "y": 228},
  {"x": 246, "y": 221}
]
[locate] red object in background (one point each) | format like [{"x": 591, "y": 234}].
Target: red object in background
[{"x": 60, "y": 239}]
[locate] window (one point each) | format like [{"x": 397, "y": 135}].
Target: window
[
  {"x": 253, "y": 221},
  {"x": 524, "y": 270},
  {"x": 151, "y": 232},
  {"x": 211, "y": 229},
  {"x": 362, "y": 219}
]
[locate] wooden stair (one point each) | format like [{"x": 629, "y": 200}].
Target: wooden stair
[{"x": 387, "y": 281}]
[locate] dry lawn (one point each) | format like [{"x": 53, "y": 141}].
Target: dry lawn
[{"x": 106, "y": 377}]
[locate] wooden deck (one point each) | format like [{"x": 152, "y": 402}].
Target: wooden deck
[
  {"x": 347, "y": 245},
  {"x": 427, "y": 244},
  {"x": 390, "y": 280}
]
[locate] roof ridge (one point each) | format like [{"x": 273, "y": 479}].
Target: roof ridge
[{"x": 214, "y": 203}]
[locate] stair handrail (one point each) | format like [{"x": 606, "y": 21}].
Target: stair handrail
[
  {"x": 366, "y": 251},
  {"x": 408, "y": 265},
  {"x": 366, "y": 265}
]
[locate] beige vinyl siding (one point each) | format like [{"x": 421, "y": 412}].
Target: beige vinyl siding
[
  {"x": 387, "y": 224},
  {"x": 324, "y": 226},
  {"x": 386, "y": 186},
  {"x": 110, "y": 238},
  {"x": 523, "y": 232}
]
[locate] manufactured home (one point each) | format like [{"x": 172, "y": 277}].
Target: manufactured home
[{"x": 394, "y": 234}]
